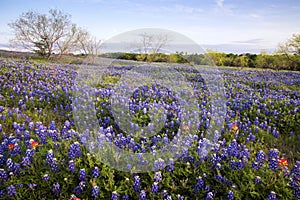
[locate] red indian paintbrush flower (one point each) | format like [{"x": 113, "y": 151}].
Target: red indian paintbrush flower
[
  {"x": 282, "y": 162},
  {"x": 186, "y": 127},
  {"x": 34, "y": 144},
  {"x": 10, "y": 146},
  {"x": 234, "y": 127}
]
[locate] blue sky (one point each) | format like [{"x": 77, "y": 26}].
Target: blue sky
[{"x": 224, "y": 25}]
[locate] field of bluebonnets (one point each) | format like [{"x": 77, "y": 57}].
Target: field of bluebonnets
[{"x": 43, "y": 156}]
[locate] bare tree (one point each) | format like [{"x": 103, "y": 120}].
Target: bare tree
[
  {"x": 45, "y": 34},
  {"x": 152, "y": 44},
  {"x": 89, "y": 45},
  {"x": 69, "y": 42}
]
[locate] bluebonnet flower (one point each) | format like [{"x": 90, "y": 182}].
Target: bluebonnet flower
[
  {"x": 49, "y": 157},
  {"x": 68, "y": 124},
  {"x": 157, "y": 176},
  {"x": 54, "y": 165},
  {"x": 16, "y": 150},
  {"x": 169, "y": 197},
  {"x": 125, "y": 197},
  {"x": 56, "y": 189},
  {"x": 154, "y": 188},
  {"x": 273, "y": 163},
  {"x": 29, "y": 153},
  {"x": 207, "y": 188},
  {"x": 54, "y": 135},
  {"x": 114, "y": 196},
  {"x": 260, "y": 156},
  {"x": 17, "y": 168},
  {"x": 137, "y": 184},
  {"x": 74, "y": 151},
  {"x": 230, "y": 195},
  {"x": 42, "y": 136},
  {"x": 199, "y": 185},
  {"x": 30, "y": 125},
  {"x": 223, "y": 180},
  {"x": 256, "y": 165},
  {"x": 26, "y": 135},
  {"x": 11, "y": 191},
  {"x": 95, "y": 172},
  {"x": 72, "y": 166},
  {"x": 273, "y": 153},
  {"x": 170, "y": 166},
  {"x": 52, "y": 126},
  {"x": 2, "y": 159},
  {"x": 164, "y": 193},
  {"x": 3, "y": 175},
  {"x": 2, "y": 193},
  {"x": 239, "y": 165},
  {"x": 233, "y": 149},
  {"x": 272, "y": 196},
  {"x": 79, "y": 188},
  {"x": 82, "y": 175},
  {"x": 26, "y": 161},
  {"x": 31, "y": 186},
  {"x": 143, "y": 195},
  {"x": 295, "y": 180},
  {"x": 9, "y": 165},
  {"x": 159, "y": 164},
  {"x": 209, "y": 196},
  {"x": 257, "y": 179},
  {"x": 46, "y": 177}
]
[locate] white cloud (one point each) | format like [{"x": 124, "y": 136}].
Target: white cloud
[
  {"x": 182, "y": 9},
  {"x": 255, "y": 16},
  {"x": 220, "y": 3},
  {"x": 224, "y": 8}
]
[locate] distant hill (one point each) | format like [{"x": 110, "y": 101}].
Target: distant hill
[{"x": 17, "y": 54}]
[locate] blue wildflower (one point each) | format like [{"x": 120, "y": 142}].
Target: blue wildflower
[
  {"x": 125, "y": 197},
  {"x": 95, "y": 191},
  {"x": 143, "y": 195},
  {"x": 95, "y": 172},
  {"x": 46, "y": 177},
  {"x": 82, "y": 175},
  {"x": 54, "y": 165},
  {"x": 199, "y": 185},
  {"x": 72, "y": 166},
  {"x": 49, "y": 157},
  {"x": 209, "y": 196},
  {"x": 11, "y": 191},
  {"x": 114, "y": 196},
  {"x": 272, "y": 196},
  {"x": 56, "y": 189},
  {"x": 137, "y": 184},
  {"x": 154, "y": 188},
  {"x": 158, "y": 177},
  {"x": 230, "y": 195}
]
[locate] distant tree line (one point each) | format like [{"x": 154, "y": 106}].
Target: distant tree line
[
  {"x": 247, "y": 60},
  {"x": 287, "y": 57}
]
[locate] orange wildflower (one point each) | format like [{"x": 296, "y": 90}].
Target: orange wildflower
[
  {"x": 10, "y": 146},
  {"x": 186, "y": 127},
  {"x": 34, "y": 144},
  {"x": 234, "y": 127},
  {"x": 282, "y": 162}
]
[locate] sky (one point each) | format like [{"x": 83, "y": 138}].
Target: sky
[{"x": 237, "y": 26}]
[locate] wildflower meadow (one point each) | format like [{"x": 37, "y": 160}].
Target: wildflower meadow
[{"x": 44, "y": 155}]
